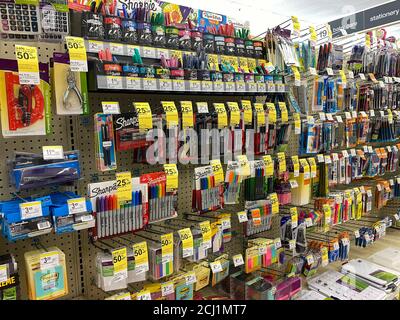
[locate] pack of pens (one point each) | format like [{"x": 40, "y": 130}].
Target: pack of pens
[
  {"x": 233, "y": 182},
  {"x": 207, "y": 193},
  {"x": 106, "y": 158},
  {"x": 116, "y": 217},
  {"x": 162, "y": 200},
  {"x": 10, "y": 285},
  {"x": 71, "y": 212},
  {"x": 254, "y": 184},
  {"x": 311, "y": 137},
  {"x": 25, "y": 218},
  {"x": 29, "y": 170},
  {"x": 259, "y": 216}
]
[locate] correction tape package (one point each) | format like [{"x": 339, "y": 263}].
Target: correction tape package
[
  {"x": 25, "y": 109},
  {"x": 70, "y": 92}
]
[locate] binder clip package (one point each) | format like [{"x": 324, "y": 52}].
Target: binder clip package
[
  {"x": 69, "y": 88},
  {"x": 46, "y": 274},
  {"x": 25, "y": 218},
  {"x": 71, "y": 212},
  {"x": 29, "y": 170},
  {"x": 25, "y": 109}
]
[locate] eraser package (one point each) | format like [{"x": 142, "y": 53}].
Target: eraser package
[{"x": 25, "y": 109}]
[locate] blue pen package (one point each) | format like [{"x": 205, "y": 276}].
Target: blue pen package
[
  {"x": 25, "y": 218},
  {"x": 29, "y": 170},
  {"x": 71, "y": 212},
  {"x": 106, "y": 158}
]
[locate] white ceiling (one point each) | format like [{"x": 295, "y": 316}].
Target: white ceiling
[{"x": 263, "y": 14}]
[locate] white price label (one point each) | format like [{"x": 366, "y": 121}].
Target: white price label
[
  {"x": 347, "y": 115},
  {"x": 110, "y": 107},
  {"x": 292, "y": 244},
  {"x": 206, "y": 86},
  {"x": 95, "y": 46},
  {"x": 190, "y": 278},
  {"x": 114, "y": 82},
  {"x": 149, "y": 52},
  {"x": 77, "y": 205},
  {"x": 178, "y": 85},
  {"x": 351, "y": 75},
  {"x": 261, "y": 87},
  {"x": 117, "y": 49},
  {"x": 357, "y": 234},
  {"x": 271, "y": 87},
  {"x": 353, "y": 152},
  {"x": 396, "y": 216},
  {"x": 219, "y": 86},
  {"x": 226, "y": 224},
  {"x": 345, "y": 153},
  {"x": 30, "y": 210},
  {"x": 313, "y": 71},
  {"x": 335, "y": 246},
  {"x": 238, "y": 260},
  {"x": 133, "y": 83},
  {"x": 329, "y": 71},
  {"x": 242, "y": 217},
  {"x": 310, "y": 259},
  {"x": 43, "y": 225},
  {"x": 320, "y": 158},
  {"x": 216, "y": 267},
  {"x": 194, "y": 85},
  {"x": 144, "y": 296},
  {"x": 49, "y": 260},
  {"x": 329, "y": 116},
  {"x": 252, "y": 87},
  {"x": 230, "y": 87},
  {"x": 53, "y": 153},
  {"x": 165, "y": 84},
  {"x": 339, "y": 119},
  {"x": 241, "y": 87},
  {"x": 294, "y": 184},
  {"x": 322, "y": 116},
  {"x": 362, "y": 76},
  {"x": 278, "y": 243},
  {"x": 309, "y": 222},
  {"x": 167, "y": 288},
  {"x": 149, "y": 84},
  {"x": 130, "y": 50},
  {"x": 3, "y": 273}
]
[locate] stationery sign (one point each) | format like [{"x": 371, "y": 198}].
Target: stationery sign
[
  {"x": 28, "y": 64},
  {"x": 77, "y": 54},
  {"x": 124, "y": 186}
]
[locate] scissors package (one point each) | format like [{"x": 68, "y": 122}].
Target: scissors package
[
  {"x": 70, "y": 92},
  {"x": 25, "y": 109}
]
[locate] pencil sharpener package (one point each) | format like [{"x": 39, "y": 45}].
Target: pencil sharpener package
[
  {"x": 71, "y": 213},
  {"x": 46, "y": 274},
  {"x": 114, "y": 217},
  {"x": 105, "y": 143},
  {"x": 29, "y": 170},
  {"x": 9, "y": 278},
  {"x": 25, "y": 109},
  {"x": 25, "y": 218},
  {"x": 70, "y": 91}
]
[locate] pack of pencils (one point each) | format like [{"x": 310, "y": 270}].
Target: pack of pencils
[
  {"x": 114, "y": 217},
  {"x": 207, "y": 194},
  {"x": 106, "y": 159},
  {"x": 163, "y": 203}
]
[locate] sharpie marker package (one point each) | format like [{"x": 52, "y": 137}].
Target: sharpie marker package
[
  {"x": 25, "y": 109},
  {"x": 105, "y": 144}
]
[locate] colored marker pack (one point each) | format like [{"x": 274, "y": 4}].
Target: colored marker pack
[{"x": 114, "y": 217}]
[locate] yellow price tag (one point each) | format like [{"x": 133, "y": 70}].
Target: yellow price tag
[
  {"x": 284, "y": 112},
  {"x": 124, "y": 186},
  {"x": 327, "y": 215},
  {"x": 28, "y": 64},
  {"x": 296, "y": 25},
  {"x": 187, "y": 242},
  {"x": 77, "y": 54},
  {"x": 282, "y": 162},
  {"x": 306, "y": 169},
  {"x": 324, "y": 256},
  {"x": 167, "y": 247},
  {"x": 296, "y": 166},
  {"x": 247, "y": 112},
  {"x": 297, "y": 77},
  {"x": 235, "y": 113},
  {"x": 271, "y": 113},
  {"x": 141, "y": 255},
  {"x": 269, "y": 166},
  {"x": 218, "y": 171},
  {"x": 213, "y": 62},
  {"x": 294, "y": 217},
  {"x": 313, "y": 167},
  {"x": 297, "y": 123},
  {"x": 205, "y": 228},
  {"x": 171, "y": 113},
  {"x": 343, "y": 76},
  {"x": 243, "y": 62},
  {"x": 172, "y": 174},
  {"x": 260, "y": 114},
  {"x": 222, "y": 116},
  {"x": 176, "y": 54},
  {"x": 120, "y": 263},
  {"x": 313, "y": 34},
  {"x": 244, "y": 165},
  {"x": 187, "y": 114},
  {"x": 143, "y": 111},
  {"x": 274, "y": 203}
]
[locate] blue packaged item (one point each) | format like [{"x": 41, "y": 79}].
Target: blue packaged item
[
  {"x": 29, "y": 170},
  {"x": 71, "y": 212},
  {"x": 25, "y": 218}
]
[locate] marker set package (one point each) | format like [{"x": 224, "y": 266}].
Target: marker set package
[
  {"x": 9, "y": 278},
  {"x": 254, "y": 184},
  {"x": 69, "y": 88},
  {"x": 30, "y": 170},
  {"x": 46, "y": 274},
  {"x": 261, "y": 253},
  {"x": 207, "y": 192},
  {"x": 162, "y": 200},
  {"x": 25, "y": 109},
  {"x": 259, "y": 215},
  {"x": 106, "y": 159},
  {"x": 115, "y": 217},
  {"x": 233, "y": 182},
  {"x": 109, "y": 280}
]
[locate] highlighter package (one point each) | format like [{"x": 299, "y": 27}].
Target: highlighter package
[
  {"x": 70, "y": 91},
  {"x": 46, "y": 281},
  {"x": 106, "y": 158},
  {"x": 25, "y": 109}
]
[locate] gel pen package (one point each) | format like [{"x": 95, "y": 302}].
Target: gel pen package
[{"x": 105, "y": 144}]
